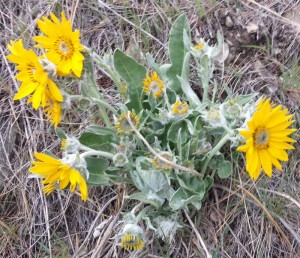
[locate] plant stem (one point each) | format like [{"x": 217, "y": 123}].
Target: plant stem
[
  {"x": 106, "y": 68},
  {"x": 100, "y": 104},
  {"x": 213, "y": 152},
  {"x": 98, "y": 101},
  {"x": 97, "y": 153}
]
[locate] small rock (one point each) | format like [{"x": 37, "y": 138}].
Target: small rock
[
  {"x": 277, "y": 51},
  {"x": 252, "y": 28},
  {"x": 228, "y": 22}
]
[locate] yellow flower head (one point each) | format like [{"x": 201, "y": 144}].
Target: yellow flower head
[
  {"x": 159, "y": 164},
  {"x": 62, "y": 44},
  {"x": 267, "y": 139},
  {"x": 155, "y": 84},
  {"x": 53, "y": 110},
  {"x": 34, "y": 79},
  {"x": 131, "y": 242},
  {"x": 54, "y": 171},
  {"x": 199, "y": 46},
  {"x": 123, "y": 125},
  {"x": 63, "y": 144},
  {"x": 180, "y": 108},
  {"x": 123, "y": 88}
]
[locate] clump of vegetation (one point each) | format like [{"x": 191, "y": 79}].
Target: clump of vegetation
[{"x": 165, "y": 140}]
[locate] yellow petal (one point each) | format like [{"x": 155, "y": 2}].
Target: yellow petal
[
  {"x": 279, "y": 154},
  {"x": 46, "y": 158},
  {"x": 55, "y": 91},
  {"x": 266, "y": 162},
  {"x": 275, "y": 162},
  {"x": 253, "y": 164},
  {"x": 83, "y": 189},
  {"x": 25, "y": 90},
  {"x": 281, "y": 145}
]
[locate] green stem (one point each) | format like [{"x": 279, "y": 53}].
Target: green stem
[
  {"x": 100, "y": 104},
  {"x": 205, "y": 93},
  {"x": 110, "y": 72},
  {"x": 98, "y": 101},
  {"x": 103, "y": 154},
  {"x": 213, "y": 152}
]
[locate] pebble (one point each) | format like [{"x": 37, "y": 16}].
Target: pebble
[{"x": 228, "y": 22}]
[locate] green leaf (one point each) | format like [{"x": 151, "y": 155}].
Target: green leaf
[
  {"x": 224, "y": 169},
  {"x": 186, "y": 67},
  {"x": 181, "y": 198},
  {"x": 179, "y": 127},
  {"x": 97, "y": 137},
  {"x": 139, "y": 182},
  {"x": 153, "y": 180},
  {"x": 60, "y": 133},
  {"x": 133, "y": 74},
  {"x": 96, "y": 168},
  {"x": 192, "y": 183},
  {"x": 149, "y": 198},
  {"x": 154, "y": 66},
  {"x": 177, "y": 50},
  {"x": 189, "y": 93},
  {"x": 88, "y": 86}
]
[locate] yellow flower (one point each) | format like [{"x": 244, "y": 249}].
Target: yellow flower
[
  {"x": 159, "y": 164},
  {"x": 123, "y": 88},
  {"x": 199, "y": 46},
  {"x": 32, "y": 75},
  {"x": 63, "y": 144},
  {"x": 131, "y": 242},
  {"x": 155, "y": 84},
  {"x": 53, "y": 110},
  {"x": 267, "y": 139},
  {"x": 55, "y": 171},
  {"x": 62, "y": 44},
  {"x": 123, "y": 125},
  {"x": 180, "y": 108}
]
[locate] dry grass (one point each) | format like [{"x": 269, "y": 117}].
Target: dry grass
[{"x": 239, "y": 219}]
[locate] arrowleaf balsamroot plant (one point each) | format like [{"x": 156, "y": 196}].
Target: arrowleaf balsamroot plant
[{"x": 166, "y": 141}]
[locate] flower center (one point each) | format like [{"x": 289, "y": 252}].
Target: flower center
[
  {"x": 182, "y": 108},
  {"x": 261, "y": 138},
  {"x": 154, "y": 86},
  {"x": 63, "y": 46},
  {"x": 199, "y": 46},
  {"x": 125, "y": 125}
]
